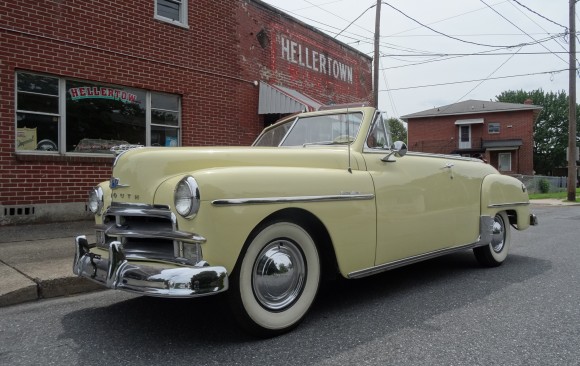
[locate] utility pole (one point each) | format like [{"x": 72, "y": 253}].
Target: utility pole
[
  {"x": 572, "y": 174},
  {"x": 377, "y": 55}
]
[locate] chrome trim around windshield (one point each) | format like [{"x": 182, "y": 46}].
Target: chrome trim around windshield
[
  {"x": 295, "y": 199},
  {"x": 508, "y": 204}
]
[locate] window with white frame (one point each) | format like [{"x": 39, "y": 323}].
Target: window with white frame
[
  {"x": 493, "y": 128},
  {"x": 504, "y": 162},
  {"x": 74, "y": 116},
  {"x": 172, "y": 11}
]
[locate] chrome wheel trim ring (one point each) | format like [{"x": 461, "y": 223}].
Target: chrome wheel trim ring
[
  {"x": 498, "y": 234},
  {"x": 279, "y": 275}
]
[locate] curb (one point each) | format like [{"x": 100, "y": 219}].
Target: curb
[{"x": 37, "y": 289}]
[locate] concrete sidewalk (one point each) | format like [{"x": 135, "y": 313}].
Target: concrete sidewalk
[{"x": 36, "y": 260}]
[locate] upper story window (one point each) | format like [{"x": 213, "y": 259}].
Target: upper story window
[
  {"x": 74, "y": 116},
  {"x": 172, "y": 11},
  {"x": 493, "y": 128}
]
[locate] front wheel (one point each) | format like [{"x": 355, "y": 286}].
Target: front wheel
[
  {"x": 495, "y": 253},
  {"x": 276, "y": 281}
]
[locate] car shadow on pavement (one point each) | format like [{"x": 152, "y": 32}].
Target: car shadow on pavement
[{"x": 354, "y": 311}]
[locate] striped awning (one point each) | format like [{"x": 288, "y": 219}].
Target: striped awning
[{"x": 279, "y": 99}]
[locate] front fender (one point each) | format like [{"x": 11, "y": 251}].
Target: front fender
[
  {"x": 248, "y": 195},
  {"x": 505, "y": 193}
]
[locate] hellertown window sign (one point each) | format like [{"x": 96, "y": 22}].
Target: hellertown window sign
[
  {"x": 102, "y": 93},
  {"x": 314, "y": 60}
]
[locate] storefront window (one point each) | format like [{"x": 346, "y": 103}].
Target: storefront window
[
  {"x": 99, "y": 117},
  {"x": 164, "y": 119},
  {"x": 96, "y": 117},
  {"x": 37, "y": 113}
]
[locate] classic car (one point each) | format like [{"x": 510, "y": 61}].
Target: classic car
[{"x": 318, "y": 194}]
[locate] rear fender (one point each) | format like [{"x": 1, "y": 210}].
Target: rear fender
[{"x": 504, "y": 193}]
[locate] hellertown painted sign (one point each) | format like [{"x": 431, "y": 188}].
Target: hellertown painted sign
[
  {"x": 314, "y": 60},
  {"x": 101, "y": 92}
]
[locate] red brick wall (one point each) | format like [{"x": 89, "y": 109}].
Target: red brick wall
[
  {"x": 257, "y": 20},
  {"x": 441, "y": 135},
  {"x": 212, "y": 65}
]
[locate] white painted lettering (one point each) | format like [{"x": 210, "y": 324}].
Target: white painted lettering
[
  {"x": 309, "y": 58},
  {"x": 285, "y": 49},
  {"x": 314, "y": 60},
  {"x": 322, "y": 63}
]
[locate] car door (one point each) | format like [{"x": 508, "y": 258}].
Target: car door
[{"x": 424, "y": 203}]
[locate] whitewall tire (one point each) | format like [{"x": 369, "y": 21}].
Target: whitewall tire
[
  {"x": 277, "y": 279},
  {"x": 495, "y": 253}
]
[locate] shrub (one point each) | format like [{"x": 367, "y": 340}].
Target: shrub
[{"x": 544, "y": 186}]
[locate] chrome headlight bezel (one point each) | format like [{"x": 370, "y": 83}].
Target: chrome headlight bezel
[
  {"x": 186, "y": 197},
  {"x": 96, "y": 200}
]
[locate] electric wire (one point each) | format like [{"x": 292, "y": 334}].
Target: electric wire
[
  {"x": 521, "y": 30},
  {"x": 488, "y": 77},
  {"x": 446, "y": 35},
  {"x": 475, "y": 80},
  {"x": 540, "y": 15}
]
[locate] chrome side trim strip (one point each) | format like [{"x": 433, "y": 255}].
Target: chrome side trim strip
[
  {"x": 403, "y": 262},
  {"x": 269, "y": 200},
  {"x": 508, "y": 204}
]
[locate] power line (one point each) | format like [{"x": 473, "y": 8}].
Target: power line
[
  {"x": 475, "y": 80},
  {"x": 357, "y": 18},
  {"x": 452, "y": 57},
  {"x": 488, "y": 76},
  {"x": 446, "y": 35},
  {"x": 471, "y": 54},
  {"x": 521, "y": 30},
  {"x": 540, "y": 15}
]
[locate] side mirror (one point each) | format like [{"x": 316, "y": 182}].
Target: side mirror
[{"x": 399, "y": 149}]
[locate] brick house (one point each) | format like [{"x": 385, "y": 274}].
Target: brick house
[
  {"x": 79, "y": 76},
  {"x": 500, "y": 133}
]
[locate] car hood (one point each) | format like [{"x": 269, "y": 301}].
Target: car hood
[{"x": 137, "y": 173}]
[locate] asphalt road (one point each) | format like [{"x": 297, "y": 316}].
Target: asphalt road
[{"x": 446, "y": 311}]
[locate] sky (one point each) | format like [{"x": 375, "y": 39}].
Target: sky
[{"x": 451, "y": 42}]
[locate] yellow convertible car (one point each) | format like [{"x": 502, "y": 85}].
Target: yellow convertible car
[{"x": 318, "y": 194}]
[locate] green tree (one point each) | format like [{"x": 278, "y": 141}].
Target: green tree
[
  {"x": 550, "y": 127},
  {"x": 398, "y": 130}
]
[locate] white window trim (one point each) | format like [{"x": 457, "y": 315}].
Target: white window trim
[
  {"x": 498, "y": 128},
  {"x": 63, "y": 120},
  {"x": 499, "y": 167},
  {"x": 182, "y": 22},
  {"x": 465, "y": 144}
]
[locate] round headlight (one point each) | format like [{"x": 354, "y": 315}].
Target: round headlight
[
  {"x": 187, "y": 197},
  {"x": 96, "y": 200}
]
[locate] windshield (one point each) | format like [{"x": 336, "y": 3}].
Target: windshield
[{"x": 328, "y": 129}]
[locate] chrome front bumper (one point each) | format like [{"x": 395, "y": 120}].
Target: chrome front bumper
[{"x": 144, "y": 277}]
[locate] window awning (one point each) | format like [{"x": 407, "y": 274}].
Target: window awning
[
  {"x": 473, "y": 121},
  {"x": 279, "y": 99},
  {"x": 512, "y": 144}
]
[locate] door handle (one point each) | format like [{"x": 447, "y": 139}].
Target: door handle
[{"x": 448, "y": 165}]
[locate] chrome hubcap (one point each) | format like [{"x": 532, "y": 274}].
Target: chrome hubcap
[
  {"x": 498, "y": 234},
  {"x": 278, "y": 275}
]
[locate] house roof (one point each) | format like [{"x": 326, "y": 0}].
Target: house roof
[{"x": 472, "y": 107}]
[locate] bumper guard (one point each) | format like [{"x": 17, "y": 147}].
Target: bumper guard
[{"x": 146, "y": 278}]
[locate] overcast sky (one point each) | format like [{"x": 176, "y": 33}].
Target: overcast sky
[{"x": 415, "y": 56}]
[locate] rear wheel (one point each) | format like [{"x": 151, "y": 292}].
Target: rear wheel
[
  {"x": 495, "y": 253},
  {"x": 277, "y": 280}
]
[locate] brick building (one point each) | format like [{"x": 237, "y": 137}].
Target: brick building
[
  {"x": 80, "y": 76},
  {"x": 500, "y": 133}
]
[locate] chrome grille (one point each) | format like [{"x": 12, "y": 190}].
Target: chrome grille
[{"x": 148, "y": 233}]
